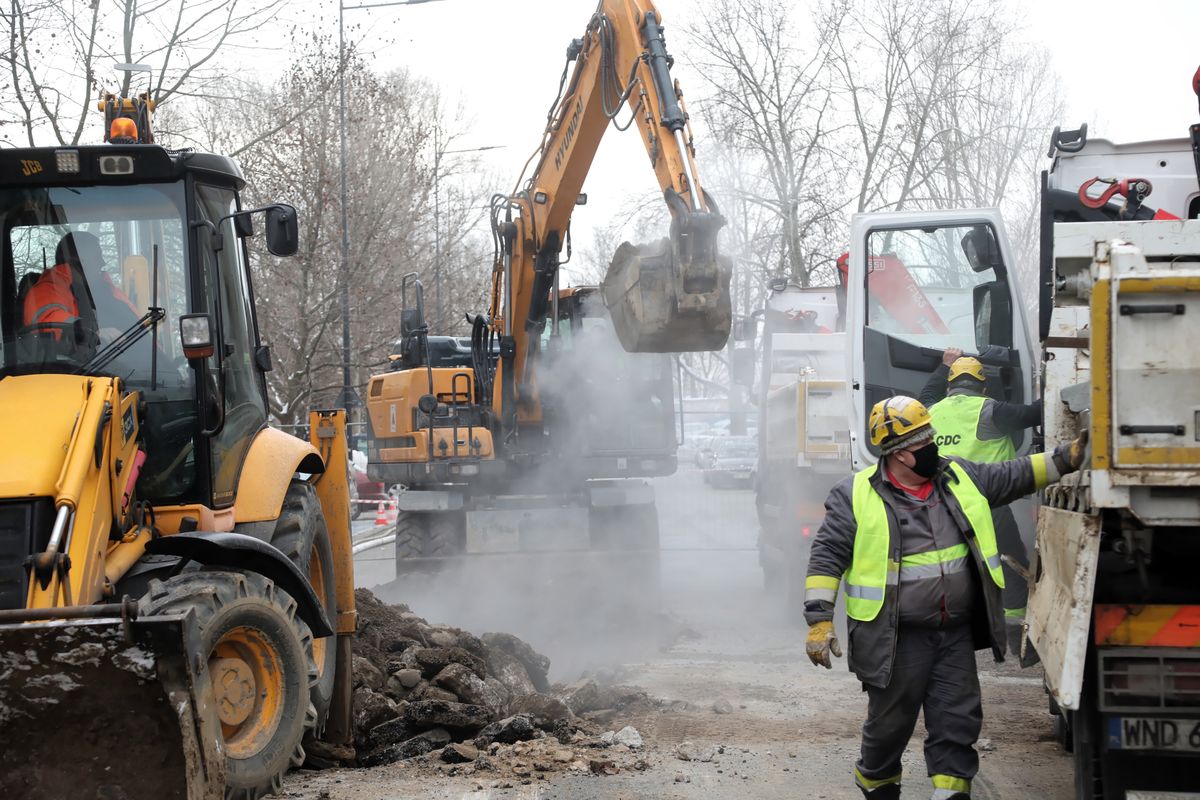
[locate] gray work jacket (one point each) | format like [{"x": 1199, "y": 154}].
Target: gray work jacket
[{"x": 872, "y": 645}]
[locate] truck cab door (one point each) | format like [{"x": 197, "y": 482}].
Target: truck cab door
[{"x": 922, "y": 282}]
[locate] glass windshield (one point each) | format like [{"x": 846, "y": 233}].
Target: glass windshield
[
  {"x": 920, "y": 285},
  {"x": 737, "y": 448},
  {"x": 78, "y": 273}
]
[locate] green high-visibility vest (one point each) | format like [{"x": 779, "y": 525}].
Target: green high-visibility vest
[
  {"x": 956, "y": 429},
  {"x": 872, "y": 568}
]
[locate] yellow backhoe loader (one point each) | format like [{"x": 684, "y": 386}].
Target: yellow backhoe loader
[{"x": 176, "y": 589}]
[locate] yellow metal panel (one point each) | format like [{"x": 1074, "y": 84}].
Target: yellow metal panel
[
  {"x": 1101, "y": 376},
  {"x": 80, "y": 484},
  {"x": 327, "y": 431},
  {"x": 273, "y": 459},
  {"x": 1168, "y": 284},
  {"x": 39, "y": 416},
  {"x": 419, "y": 452},
  {"x": 169, "y": 518},
  {"x": 1153, "y": 456}
]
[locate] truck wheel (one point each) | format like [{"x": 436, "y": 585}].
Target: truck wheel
[
  {"x": 1085, "y": 749},
  {"x": 255, "y": 648},
  {"x": 446, "y": 534},
  {"x": 302, "y": 535}
]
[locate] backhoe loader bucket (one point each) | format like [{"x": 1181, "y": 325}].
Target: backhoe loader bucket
[
  {"x": 663, "y": 300},
  {"x": 107, "y": 708}
]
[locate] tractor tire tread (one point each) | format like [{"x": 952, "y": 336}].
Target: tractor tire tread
[{"x": 206, "y": 592}]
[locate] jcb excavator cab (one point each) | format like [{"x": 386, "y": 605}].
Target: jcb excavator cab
[{"x": 150, "y": 517}]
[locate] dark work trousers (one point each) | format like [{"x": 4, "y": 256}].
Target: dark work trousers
[
  {"x": 1008, "y": 542},
  {"x": 935, "y": 671}
]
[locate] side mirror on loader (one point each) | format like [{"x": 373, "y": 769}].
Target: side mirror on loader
[{"x": 283, "y": 230}]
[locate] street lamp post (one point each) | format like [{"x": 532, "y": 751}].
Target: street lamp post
[
  {"x": 349, "y": 398},
  {"x": 437, "y": 213}
]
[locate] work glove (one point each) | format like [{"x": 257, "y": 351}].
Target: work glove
[
  {"x": 1070, "y": 457},
  {"x": 1077, "y": 450},
  {"x": 821, "y": 642}
]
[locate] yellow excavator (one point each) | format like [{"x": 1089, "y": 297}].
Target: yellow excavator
[
  {"x": 563, "y": 399},
  {"x": 176, "y": 588}
]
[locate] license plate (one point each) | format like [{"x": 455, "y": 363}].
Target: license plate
[{"x": 1154, "y": 733}]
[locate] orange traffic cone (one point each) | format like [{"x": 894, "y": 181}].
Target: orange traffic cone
[
  {"x": 381, "y": 515},
  {"x": 393, "y": 512}
]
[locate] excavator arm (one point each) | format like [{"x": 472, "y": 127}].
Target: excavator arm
[{"x": 670, "y": 296}]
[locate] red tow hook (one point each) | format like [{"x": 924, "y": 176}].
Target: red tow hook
[{"x": 1134, "y": 190}]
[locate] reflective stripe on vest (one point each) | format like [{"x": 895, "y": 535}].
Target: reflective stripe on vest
[
  {"x": 49, "y": 307},
  {"x": 934, "y": 563},
  {"x": 871, "y": 567},
  {"x": 956, "y": 428},
  {"x": 979, "y": 516}
]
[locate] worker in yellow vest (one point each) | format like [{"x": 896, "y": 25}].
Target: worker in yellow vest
[
  {"x": 970, "y": 425},
  {"x": 913, "y": 542}
]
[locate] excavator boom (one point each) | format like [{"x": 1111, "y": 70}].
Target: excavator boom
[{"x": 670, "y": 296}]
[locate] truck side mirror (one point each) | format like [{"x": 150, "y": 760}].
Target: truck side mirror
[
  {"x": 982, "y": 252},
  {"x": 993, "y": 315},
  {"x": 283, "y": 230}
]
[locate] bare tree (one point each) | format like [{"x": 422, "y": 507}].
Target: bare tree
[
  {"x": 59, "y": 53},
  {"x": 769, "y": 98},
  {"x": 288, "y": 144}
]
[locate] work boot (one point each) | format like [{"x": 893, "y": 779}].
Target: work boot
[{"x": 890, "y": 791}]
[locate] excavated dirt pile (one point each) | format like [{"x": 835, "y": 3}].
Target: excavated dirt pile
[{"x": 440, "y": 694}]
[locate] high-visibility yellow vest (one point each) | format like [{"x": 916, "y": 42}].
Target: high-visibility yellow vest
[
  {"x": 956, "y": 430},
  {"x": 872, "y": 568}
]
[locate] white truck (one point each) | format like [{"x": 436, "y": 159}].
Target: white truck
[
  {"x": 1114, "y": 611},
  {"x": 803, "y": 434},
  {"x": 915, "y": 283}
]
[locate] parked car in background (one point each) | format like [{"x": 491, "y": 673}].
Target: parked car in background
[
  {"x": 365, "y": 494},
  {"x": 733, "y": 462},
  {"x": 704, "y": 451}
]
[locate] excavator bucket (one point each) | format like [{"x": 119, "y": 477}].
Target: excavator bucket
[
  {"x": 107, "y": 708},
  {"x": 664, "y": 300}
]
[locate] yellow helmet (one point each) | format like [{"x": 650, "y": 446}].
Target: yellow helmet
[
  {"x": 899, "y": 421},
  {"x": 965, "y": 366}
]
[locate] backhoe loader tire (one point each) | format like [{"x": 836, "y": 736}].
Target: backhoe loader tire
[
  {"x": 301, "y": 535},
  {"x": 248, "y": 631}
]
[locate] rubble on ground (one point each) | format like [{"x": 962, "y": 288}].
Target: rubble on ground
[{"x": 441, "y": 697}]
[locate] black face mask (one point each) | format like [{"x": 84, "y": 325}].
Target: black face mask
[{"x": 926, "y": 463}]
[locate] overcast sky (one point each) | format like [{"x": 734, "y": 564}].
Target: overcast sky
[{"x": 1126, "y": 69}]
